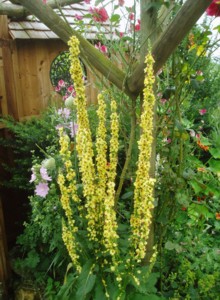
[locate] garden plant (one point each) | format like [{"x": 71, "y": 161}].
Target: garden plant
[{"x": 125, "y": 194}]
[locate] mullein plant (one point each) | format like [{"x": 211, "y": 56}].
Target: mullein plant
[{"x": 97, "y": 167}]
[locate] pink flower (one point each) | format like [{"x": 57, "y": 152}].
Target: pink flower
[
  {"x": 121, "y": 34},
  {"x": 137, "y": 27},
  {"x": 99, "y": 14},
  {"x": 44, "y": 175},
  {"x": 70, "y": 89},
  {"x": 57, "y": 88},
  {"x": 214, "y": 9},
  {"x": 87, "y": 1},
  {"x": 131, "y": 16},
  {"x": 202, "y": 111},
  {"x": 61, "y": 83},
  {"x": 44, "y": 1},
  {"x": 73, "y": 129},
  {"x": 33, "y": 176},
  {"x": 101, "y": 48},
  {"x": 64, "y": 112},
  {"x": 78, "y": 17},
  {"x": 42, "y": 189},
  {"x": 168, "y": 140},
  {"x": 163, "y": 100},
  {"x": 121, "y": 2}
]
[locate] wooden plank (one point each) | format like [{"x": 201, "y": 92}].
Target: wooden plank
[
  {"x": 10, "y": 88},
  {"x": 30, "y": 90},
  {"x": 14, "y": 25},
  {"x": 26, "y": 25},
  {"x": 33, "y": 34},
  {"x": 16, "y": 75},
  {"x": 39, "y": 26},
  {"x": 3, "y": 99},
  {"x": 19, "y": 34},
  {"x": 51, "y": 35}
]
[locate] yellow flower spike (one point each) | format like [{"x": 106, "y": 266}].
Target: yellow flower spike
[
  {"x": 101, "y": 163},
  {"x": 144, "y": 185},
  {"x": 110, "y": 236},
  {"x": 84, "y": 144},
  {"x": 67, "y": 186}
]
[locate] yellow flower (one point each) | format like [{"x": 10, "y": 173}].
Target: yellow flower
[{"x": 144, "y": 185}]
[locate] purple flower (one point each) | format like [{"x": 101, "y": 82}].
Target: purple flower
[
  {"x": 73, "y": 129},
  {"x": 64, "y": 112},
  {"x": 42, "y": 189},
  {"x": 44, "y": 175}
]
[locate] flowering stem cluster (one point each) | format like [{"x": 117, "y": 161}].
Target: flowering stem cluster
[
  {"x": 67, "y": 186},
  {"x": 98, "y": 179},
  {"x": 98, "y": 174},
  {"x": 144, "y": 185}
]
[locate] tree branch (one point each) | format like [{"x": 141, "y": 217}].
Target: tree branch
[
  {"x": 15, "y": 11},
  {"x": 187, "y": 16}
]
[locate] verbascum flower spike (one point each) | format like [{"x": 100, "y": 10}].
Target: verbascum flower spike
[
  {"x": 101, "y": 162},
  {"x": 84, "y": 144},
  {"x": 110, "y": 235},
  {"x": 67, "y": 184},
  {"x": 144, "y": 185}
]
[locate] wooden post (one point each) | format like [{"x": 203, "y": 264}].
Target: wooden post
[{"x": 9, "y": 76}]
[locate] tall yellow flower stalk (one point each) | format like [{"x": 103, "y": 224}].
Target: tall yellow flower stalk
[
  {"x": 98, "y": 181},
  {"x": 101, "y": 163},
  {"x": 144, "y": 185},
  {"x": 67, "y": 186},
  {"x": 84, "y": 145},
  {"x": 110, "y": 235}
]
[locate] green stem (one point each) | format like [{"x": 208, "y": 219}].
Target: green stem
[{"x": 129, "y": 152}]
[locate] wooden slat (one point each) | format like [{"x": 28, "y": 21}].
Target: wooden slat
[
  {"x": 51, "y": 35},
  {"x": 33, "y": 34},
  {"x": 3, "y": 100},
  {"x": 39, "y": 26},
  {"x": 19, "y": 34}
]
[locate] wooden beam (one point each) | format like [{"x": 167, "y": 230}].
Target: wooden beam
[
  {"x": 185, "y": 19},
  {"x": 16, "y": 11}
]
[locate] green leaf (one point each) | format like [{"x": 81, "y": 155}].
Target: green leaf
[
  {"x": 169, "y": 245},
  {"x": 115, "y": 18},
  {"x": 197, "y": 210},
  {"x": 197, "y": 186},
  {"x": 127, "y": 195},
  {"x": 214, "y": 165},
  {"x": 99, "y": 291},
  {"x": 86, "y": 281},
  {"x": 136, "y": 296},
  {"x": 215, "y": 152}
]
